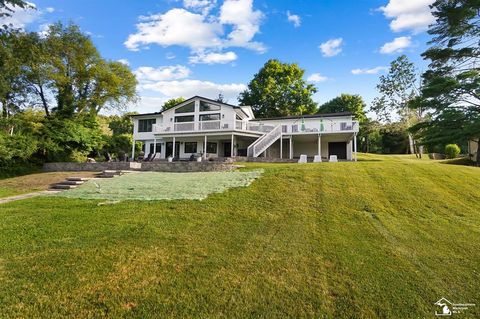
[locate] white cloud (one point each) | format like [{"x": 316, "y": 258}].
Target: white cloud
[
  {"x": 170, "y": 56},
  {"x": 294, "y": 18},
  {"x": 199, "y": 31},
  {"x": 20, "y": 18},
  {"x": 369, "y": 71},
  {"x": 147, "y": 75},
  {"x": 213, "y": 58},
  {"x": 397, "y": 45},
  {"x": 189, "y": 88},
  {"x": 124, "y": 61},
  {"x": 245, "y": 22},
  {"x": 332, "y": 47},
  {"x": 150, "y": 103},
  {"x": 50, "y": 10},
  {"x": 317, "y": 77},
  {"x": 412, "y": 15},
  {"x": 203, "y": 6},
  {"x": 175, "y": 27}
]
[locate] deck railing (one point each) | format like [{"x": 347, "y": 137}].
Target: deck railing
[{"x": 294, "y": 127}]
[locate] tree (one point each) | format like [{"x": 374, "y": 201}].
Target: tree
[
  {"x": 8, "y": 6},
  {"x": 65, "y": 74},
  {"x": 346, "y": 103},
  {"x": 172, "y": 102},
  {"x": 452, "y": 82},
  {"x": 221, "y": 98},
  {"x": 279, "y": 89},
  {"x": 397, "y": 91}
]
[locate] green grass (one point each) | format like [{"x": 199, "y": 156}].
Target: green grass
[
  {"x": 382, "y": 238},
  {"x": 158, "y": 186},
  {"x": 34, "y": 182}
]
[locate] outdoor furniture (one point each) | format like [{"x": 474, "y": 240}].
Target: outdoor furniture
[
  {"x": 148, "y": 158},
  {"x": 303, "y": 158},
  {"x": 333, "y": 158},
  {"x": 317, "y": 159}
]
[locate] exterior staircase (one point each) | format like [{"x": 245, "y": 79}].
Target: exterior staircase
[
  {"x": 264, "y": 142},
  {"x": 69, "y": 183}
]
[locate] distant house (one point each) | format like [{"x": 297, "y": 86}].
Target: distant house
[{"x": 200, "y": 126}]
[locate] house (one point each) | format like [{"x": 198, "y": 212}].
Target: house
[{"x": 201, "y": 126}]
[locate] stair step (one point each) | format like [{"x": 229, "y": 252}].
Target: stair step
[
  {"x": 67, "y": 182},
  {"x": 77, "y": 179},
  {"x": 63, "y": 186}
]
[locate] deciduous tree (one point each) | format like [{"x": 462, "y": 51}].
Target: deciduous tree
[{"x": 279, "y": 89}]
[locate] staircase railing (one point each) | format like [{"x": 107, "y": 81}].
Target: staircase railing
[{"x": 263, "y": 142}]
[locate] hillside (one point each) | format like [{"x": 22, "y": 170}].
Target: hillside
[{"x": 384, "y": 237}]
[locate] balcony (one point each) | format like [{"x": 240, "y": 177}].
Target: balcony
[{"x": 290, "y": 127}]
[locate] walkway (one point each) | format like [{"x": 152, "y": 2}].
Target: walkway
[{"x": 24, "y": 196}]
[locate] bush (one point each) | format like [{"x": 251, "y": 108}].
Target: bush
[{"x": 452, "y": 150}]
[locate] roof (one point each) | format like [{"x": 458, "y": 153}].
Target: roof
[
  {"x": 188, "y": 100},
  {"x": 319, "y": 115}
]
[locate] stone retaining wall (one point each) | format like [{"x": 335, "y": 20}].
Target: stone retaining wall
[{"x": 160, "y": 166}]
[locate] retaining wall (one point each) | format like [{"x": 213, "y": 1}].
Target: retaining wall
[{"x": 160, "y": 166}]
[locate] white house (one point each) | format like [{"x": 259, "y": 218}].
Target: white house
[{"x": 205, "y": 127}]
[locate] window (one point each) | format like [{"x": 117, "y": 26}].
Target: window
[
  {"x": 145, "y": 125},
  {"x": 205, "y": 107},
  {"x": 190, "y": 147},
  {"x": 188, "y": 118},
  {"x": 238, "y": 117},
  {"x": 210, "y": 117},
  {"x": 158, "y": 149},
  {"x": 212, "y": 147},
  {"x": 188, "y": 108}
]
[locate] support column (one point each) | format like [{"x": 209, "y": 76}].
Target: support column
[
  {"x": 291, "y": 147},
  {"x": 281, "y": 146},
  {"x": 320, "y": 146},
  {"x": 154, "y": 147},
  {"x": 133, "y": 151},
  {"x": 232, "y": 149},
  {"x": 355, "y": 146},
  {"x": 205, "y": 148},
  {"x": 173, "y": 148}
]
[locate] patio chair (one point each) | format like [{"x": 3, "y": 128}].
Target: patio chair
[
  {"x": 317, "y": 159},
  {"x": 333, "y": 158},
  {"x": 303, "y": 158}
]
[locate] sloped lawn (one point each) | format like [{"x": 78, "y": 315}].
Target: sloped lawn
[
  {"x": 382, "y": 238},
  {"x": 158, "y": 186}
]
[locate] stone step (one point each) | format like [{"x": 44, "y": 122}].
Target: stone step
[
  {"x": 77, "y": 179},
  {"x": 68, "y": 182},
  {"x": 63, "y": 186}
]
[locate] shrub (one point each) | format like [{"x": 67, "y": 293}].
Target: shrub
[{"x": 452, "y": 150}]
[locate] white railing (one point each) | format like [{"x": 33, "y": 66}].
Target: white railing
[
  {"x": 238, "y": 125},
  {"x": 209, "y": 125},
  {"x": 288, "y": 127},
  {"x": 263, "y": 142},
  {"x": 184, "y": 126},
  {"x": 326, "y": 126}
]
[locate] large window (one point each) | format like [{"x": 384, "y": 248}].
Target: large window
[
  {"x": 187, "y": 118},
  {"x": 158, "y": 149},
  {"x": 205, "y": 107},
  {"x": 212, "y": 147},
  {"x": 210, "y": 117},
  {"x": 145, "y": 125},
  {"x": 188, "y": 108},
  {"x": 190, "y": 147}
]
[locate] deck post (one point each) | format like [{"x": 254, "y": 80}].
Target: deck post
[
  {"x": 355, "y": 146},
  {"x": 173, "y": 148},
  {"x": 205, "y": 148},
  {"x": 133, "y": 150},
  {"x": 281, "y": 146},
  {"x": 232, "y": 149},
  {"x": 154, "y": 147},
  {"x": 291, "y": 147},
  {"x": 320, "y": 146}
]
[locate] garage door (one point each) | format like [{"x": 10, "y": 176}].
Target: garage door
[{"x": 338, "y": 148}]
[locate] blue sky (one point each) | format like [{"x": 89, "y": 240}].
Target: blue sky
[{"x": 204, "y": 47}]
